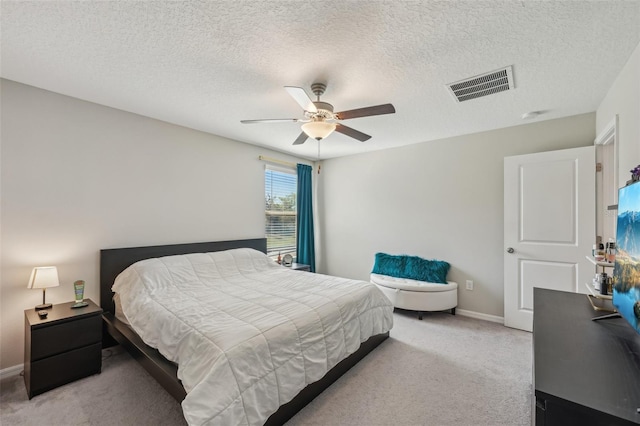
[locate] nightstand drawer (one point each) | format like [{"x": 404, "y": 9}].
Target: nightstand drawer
[
  {"x": 61, "y": 369},
  {"x": 63, "y": 337}
]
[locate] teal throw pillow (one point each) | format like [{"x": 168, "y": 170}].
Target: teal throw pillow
[
  {"x": 412, "y": 267},
  {"x": 432, "y": 271},
  {"x": 390, "y": 265}
]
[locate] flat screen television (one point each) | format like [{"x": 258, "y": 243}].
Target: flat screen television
[{"x": 626, "y": 270}]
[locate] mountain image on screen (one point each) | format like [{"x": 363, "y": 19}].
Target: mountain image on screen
[
  {"x": 628, "y": 234},
  {"x": 626, "y": 271}
]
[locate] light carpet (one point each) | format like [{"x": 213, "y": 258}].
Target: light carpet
[{"x": 443, "y": 370}]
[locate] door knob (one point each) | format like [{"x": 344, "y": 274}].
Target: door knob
[{"x": 510, "y": 250}]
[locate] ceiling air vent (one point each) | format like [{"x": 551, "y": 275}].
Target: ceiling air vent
[{"x": 483, "y": 85}]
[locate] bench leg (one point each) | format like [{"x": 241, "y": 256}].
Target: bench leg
[
  {"x": 420, "y": 316},
  {"x": 453, "y": 311}
]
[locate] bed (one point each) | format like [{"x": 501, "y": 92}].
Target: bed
[{"x": 114, "y": 261}]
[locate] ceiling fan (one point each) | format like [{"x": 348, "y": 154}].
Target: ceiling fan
[{"x": 320, "y": 120}]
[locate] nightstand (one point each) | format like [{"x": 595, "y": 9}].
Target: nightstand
[
  {"x": 65, "y": 346},
  {"x": 300, "y": 267}
]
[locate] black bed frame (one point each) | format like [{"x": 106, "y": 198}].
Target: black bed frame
[{"x": 114, "y": 261}]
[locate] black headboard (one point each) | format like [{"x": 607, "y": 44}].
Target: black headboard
[{"x": 114, "y": 261}]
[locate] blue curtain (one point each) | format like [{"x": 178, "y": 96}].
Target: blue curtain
[{"x": 305, "y": 247}]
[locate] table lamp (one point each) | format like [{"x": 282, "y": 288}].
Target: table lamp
[{"x": 44, "y": 277}]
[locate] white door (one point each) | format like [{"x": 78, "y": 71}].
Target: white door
[{"x": 549, "y": 227}]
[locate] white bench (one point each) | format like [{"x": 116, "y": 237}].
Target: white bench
[{"x": 418, "y": 296}]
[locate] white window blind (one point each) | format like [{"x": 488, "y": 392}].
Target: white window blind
[{"x": 280, "y": 187}]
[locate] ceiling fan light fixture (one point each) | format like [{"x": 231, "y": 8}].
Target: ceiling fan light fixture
[
  {"x": 318, "y": 129},
  {"x": 321, "y": 120}
]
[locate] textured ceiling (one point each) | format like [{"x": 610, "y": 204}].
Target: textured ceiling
[{"x": 209, "y": 64}]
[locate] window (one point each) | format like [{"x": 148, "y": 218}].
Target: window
[{"x": 280, "y": 187}]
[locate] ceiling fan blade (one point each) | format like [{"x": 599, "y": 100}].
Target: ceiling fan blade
[
  {"x": 366, "y": 112},
  {"x": 301, "y": 139},
  {"x": 301, "y": 97},
  {"x": 271, "y": 120},
  {"x": 352, "y": 133}
]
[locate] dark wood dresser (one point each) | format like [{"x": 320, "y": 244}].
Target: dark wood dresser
[
  {"x": 584, "y": 372},
  {"x": 65, "y": 346}
]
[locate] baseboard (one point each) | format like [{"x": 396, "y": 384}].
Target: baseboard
[
  {"x": 5, "y": 373},
  {"x": 478, "y": 315}
]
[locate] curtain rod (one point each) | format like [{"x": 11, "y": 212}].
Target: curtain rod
[{"x": 273, "y": 160}]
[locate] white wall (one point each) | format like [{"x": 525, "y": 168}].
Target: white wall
[
  {"x": 440, "y": 199},
  {"x": 623, "y": 99},
  {"x": 78, "y": 177}
]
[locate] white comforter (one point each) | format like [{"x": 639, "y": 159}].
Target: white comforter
[{"x": 247, "y": 333}]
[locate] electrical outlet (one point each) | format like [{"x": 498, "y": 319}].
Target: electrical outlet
[{"x": 469, "y": 285}]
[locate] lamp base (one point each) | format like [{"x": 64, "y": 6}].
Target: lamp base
[{"x": 43, "y": 306}]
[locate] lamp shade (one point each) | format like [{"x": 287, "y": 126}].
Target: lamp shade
[
  {"x": 318, "y": 129},
  {"x": 44, "y": 277}
]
